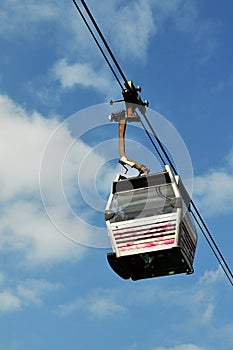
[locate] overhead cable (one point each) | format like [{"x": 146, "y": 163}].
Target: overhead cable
[
  {"x": 153, "y": 143},
  {"x": 97, "y": 43},
  {"x": 104, "y": 41},
  {"x": 160, "y": 144},
  {"x": 213, "y": 246}
]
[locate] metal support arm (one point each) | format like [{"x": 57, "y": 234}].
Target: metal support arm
[{"x": 124, "y": 160}]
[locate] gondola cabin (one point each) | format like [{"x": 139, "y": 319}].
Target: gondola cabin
[{"x": 150, "y": 227}]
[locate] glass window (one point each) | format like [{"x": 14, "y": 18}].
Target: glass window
[{"x": 143, "y": 203}]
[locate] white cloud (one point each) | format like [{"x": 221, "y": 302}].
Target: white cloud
[
  {"x": 26, "y": 13},
  {"x": 214, "y": 190},
  {"x": 211, "y": 277},
  {"x": 207, "y": 315},
  {"x": 2, "y": 277},
  {"x": 22, "y": 137},
  {"x": 70, "y": 308},
  {"x": 185, "y": 17},
  {"x": 26, "y": 228},
  {"x": 196, "y": 302},
  {"x": 83, "y": 74},
  {"x": 68, "y": 26},
  {"x": 130, "y": 34},
  {"x": 17, "y": 295},
  {"x": 100, "y": 304},
  {"x": 24, "y": 225},
  {"x": 182, "y": 347},
  {"x": 9, "y": 302},
  {"x": 32, "y": 291},
  {"x": 105, "y": 306}
]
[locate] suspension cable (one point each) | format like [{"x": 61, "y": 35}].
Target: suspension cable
[
  {"x": 152, "y": 141},
  {"x": 97, "y": 43},
  {"x": 198, "y": 218},
  {"x": 104, "y": 41},
  {"x": 212, "y": 244},
  {"x": 160, "y": 144}
]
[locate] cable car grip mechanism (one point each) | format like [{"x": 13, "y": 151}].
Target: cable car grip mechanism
[{"x": 133, "y": 101}]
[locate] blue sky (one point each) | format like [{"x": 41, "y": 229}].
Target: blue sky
[{"x": 55, "y": 293}]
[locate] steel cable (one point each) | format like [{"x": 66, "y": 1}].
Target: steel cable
[{"x": 97, "y": 43}]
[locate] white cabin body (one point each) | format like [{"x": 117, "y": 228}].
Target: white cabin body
[{"x": 150, "y": 227}]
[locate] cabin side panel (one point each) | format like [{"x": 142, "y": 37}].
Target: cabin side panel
[{"x": 140, "y": 235}]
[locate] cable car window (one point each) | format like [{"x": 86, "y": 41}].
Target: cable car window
[{"x": 141, "y": 203}]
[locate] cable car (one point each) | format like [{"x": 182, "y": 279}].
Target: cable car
[
  {"x": 151, "y": 230},
  {"x": 148, "y": 218}
]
